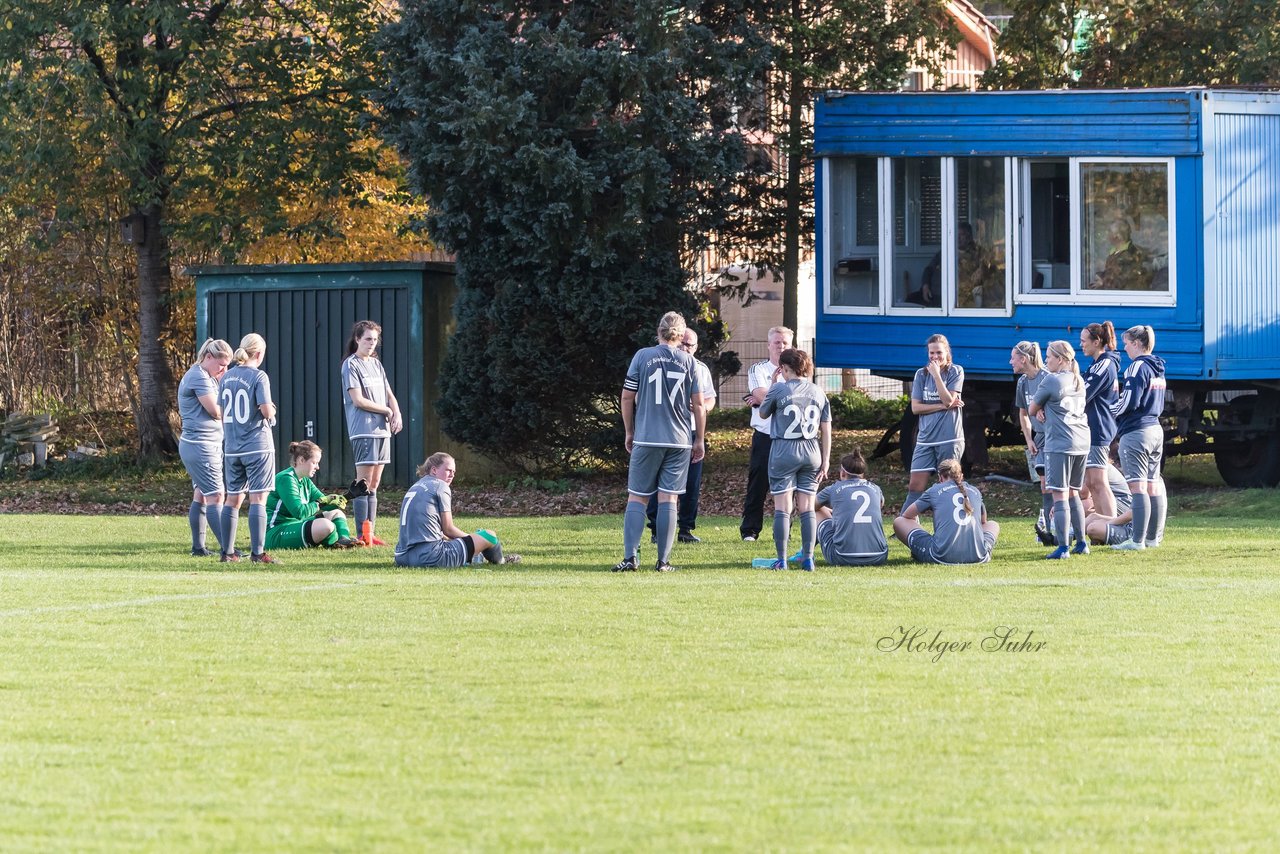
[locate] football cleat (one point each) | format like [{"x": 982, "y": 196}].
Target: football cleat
[
  {"x": 627, "y": 564},
  {"x": 778, "y": 564},
  {"x": 1129, "y": 546},
  {"x": 688, "y": 537},
  {"x": 513, "y": 557},
  {"x": 233, "y": 557},
  {"x": 201, "y": 552},
  {"x": 1060, "y": 553},
  {"x": 265, "y": 557},
  {"x": 664, "y": 566},
  {"x": 1081, "y": 548},
  {"x": 807, "y": 565}
]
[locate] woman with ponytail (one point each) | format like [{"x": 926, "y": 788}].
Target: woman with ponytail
[
  {"x": 961, "y": 531},
  {"x": 1137, "y": 412},
  {"x": 1059, "y": 403},
  {"x": 201, "y": 443},
  {"x": 850, "y": 529},
  {"x": 1101, "y": 387},
  {"x": 1027, "y": 364},
  {"x": 249, "y": 450}
]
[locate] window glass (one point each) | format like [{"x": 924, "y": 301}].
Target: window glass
[
  {"x": 916, "y": 274},
  {"x": 1048, "y": 212},
  {"x": 854, "y": 231},
  {"x": 1124, "y": 210},
  {"x": 980, "y": 249}
]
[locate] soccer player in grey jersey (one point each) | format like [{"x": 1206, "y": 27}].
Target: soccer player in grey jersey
[
  {"x": 373, "y": 417},
  {"x": 935, "y": 399},
  {"x": 961, "y": 531},
  {"x": 248, "y": 415},
  {"x": 850, "y": 529},
  {"x": 800, "y": 452},
  {"x": 659, "y": 392},
  {"x": 1026, "y": 362},
  {"x": 1060, "y": 402},
  {"x": 428, "y": 535},
  {"x": 200, "y": 445}
]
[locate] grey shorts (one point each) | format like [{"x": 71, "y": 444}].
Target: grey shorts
[
  {"x": 929, "y": 457},
  {"x": 789, "y": 470},
  {"x": 656, "y": 469},
  {"x": 1119, "y": 533},
  {"x": 371, "y": 451},
  {"x": 1063, "y": 471},
  {"x": 251, "y": 473},
  {"x": 921, "y": 544},
  {"x": 204, "y": 464},
  {"x": 445, "y": 554},
  {"x": 1097, "y": 458},
  {"x": 1035, "y": 465},
  {"x": 826, "y": 539},
  {"x": 1140, "y": 453}
]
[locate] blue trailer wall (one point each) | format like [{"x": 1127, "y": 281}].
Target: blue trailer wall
[{"x": 1079, "y": 125}]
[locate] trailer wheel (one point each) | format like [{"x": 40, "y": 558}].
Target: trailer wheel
[{"x": 1251, "y": 463}]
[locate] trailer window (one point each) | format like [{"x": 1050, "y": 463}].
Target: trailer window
[
  {"x": 1124, "y": 226},
  {"x": 1047, "y": 212},
  {"x": 916, "y": 272},
  {"x": 855, "y": 232},
  {"x": 980, "y": 251}
]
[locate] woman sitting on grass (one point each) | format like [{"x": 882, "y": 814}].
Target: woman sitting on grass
[
  {"x": 849, "y": 513},
  {"x": 428, "y": 536},
  {"x": 961, "y": 531},
  {"x": 298, "y": 514}
]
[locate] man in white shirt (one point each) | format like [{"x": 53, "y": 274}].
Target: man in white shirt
[{"x": 760, "y": 377}]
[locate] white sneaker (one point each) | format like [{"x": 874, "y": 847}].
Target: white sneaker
[
  {"x": 748, "y": 539},
  {"x": 1129, "y": 546},
  {"x": 1152, "y": 544}
]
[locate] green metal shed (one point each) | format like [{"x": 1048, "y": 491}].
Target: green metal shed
[{"x": 305, "y": 312}]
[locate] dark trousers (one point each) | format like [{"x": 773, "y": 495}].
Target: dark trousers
[
  {"x": 757, "y": 485},
  {"x": 687, "y": 507}
]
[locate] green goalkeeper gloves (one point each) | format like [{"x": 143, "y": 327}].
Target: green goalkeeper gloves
[{"x": 336, "y": 500}]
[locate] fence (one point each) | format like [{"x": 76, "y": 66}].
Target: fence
[{"x": 731, "y": 389}]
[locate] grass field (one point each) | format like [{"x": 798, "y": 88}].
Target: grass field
[{"x": 154, "y": 701}]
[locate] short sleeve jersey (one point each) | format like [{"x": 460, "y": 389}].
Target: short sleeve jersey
[
  {"x": 705, "y": 382},
  {"x": 242, "y": 390},
  {"x": 1066, "y": 429},
  {"x": 795, "y": 408},
  {"x": 760, "y": 375},
  {"x": 370, "y": 377},
  {"x": 664, "y": 381},
  {"x": 198, "y": 426},
  {"x": 957, "y": 534},
  {"x": 421, "y": 511},
  {"x": 1023, "y": 395},
  {"x": 938, "y": 428},
  {"x": 856, "y": 508}
]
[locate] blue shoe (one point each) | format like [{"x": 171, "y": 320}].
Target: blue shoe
[
  {"x": 1060, "y": 553},
  {"x": 807, "y": 565},
  {"x": 1082, "y": 548},
  {"x": 796, "y": 558},
  {"x": 779, "y": 564}
]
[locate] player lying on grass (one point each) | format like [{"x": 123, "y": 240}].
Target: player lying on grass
[
  {"x": 428, "y": 536},
  {"x": 299, "y": 515}
]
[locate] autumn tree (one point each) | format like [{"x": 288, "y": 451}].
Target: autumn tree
[{"x": 201, "y": 120}]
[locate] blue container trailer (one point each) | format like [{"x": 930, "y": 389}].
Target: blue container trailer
[{"x": 993, "y": 217}]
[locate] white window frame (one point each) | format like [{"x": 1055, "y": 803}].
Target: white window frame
[{"x": 1076, "y": 294}]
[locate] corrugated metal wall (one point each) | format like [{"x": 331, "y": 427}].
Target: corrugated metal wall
[
  {"x": 1245, "y": 280},
  {"x": 306, "y": 332}
]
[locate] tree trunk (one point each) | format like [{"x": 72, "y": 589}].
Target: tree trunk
[
  {"x": 155, "y": 380},
  {"x": 796, "y": 96}
]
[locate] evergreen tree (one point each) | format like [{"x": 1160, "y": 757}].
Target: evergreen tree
[{"x": 575, "y": 157}]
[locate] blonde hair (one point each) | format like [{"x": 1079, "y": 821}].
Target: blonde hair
[
  {"x": 433, "y": 461},
  {"x": 1064, "y": 351},
  {"x": 952, "y": 470},
  {"x": 671, "y": 327},
  {"x": 251, "y": 346},
  {"x": 1031, "y": 351},
  {"x": 1144, "y": 335},
  {"x": 215, "y": 347}
]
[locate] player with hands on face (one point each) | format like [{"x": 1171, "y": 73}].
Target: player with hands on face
[
  {"x": 936, "y": 401},
  {"x": 800, "y": 452},
  {"x": 200, "y": 444}
]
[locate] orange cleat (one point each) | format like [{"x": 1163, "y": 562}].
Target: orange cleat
[{"x": 374, "y": 541}]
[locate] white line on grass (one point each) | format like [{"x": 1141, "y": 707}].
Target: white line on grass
[{"x": 177, "y": 597}]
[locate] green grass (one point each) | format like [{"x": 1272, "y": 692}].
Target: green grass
[{"x": 153, "y": 701}]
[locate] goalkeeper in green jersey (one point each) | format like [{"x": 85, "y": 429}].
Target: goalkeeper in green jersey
[{"x": 299, "y": 515}]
